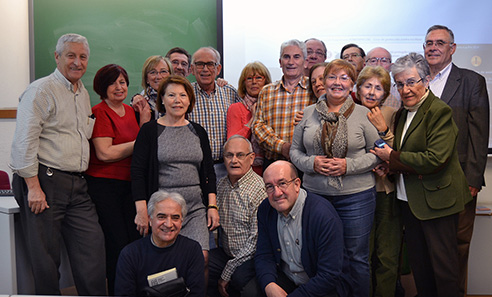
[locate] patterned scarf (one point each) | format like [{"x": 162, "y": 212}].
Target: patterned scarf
[
  {"x": 248, "y": 101},
  {"x": 331, "y": 138}
]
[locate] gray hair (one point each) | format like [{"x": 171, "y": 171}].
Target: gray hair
[
  {"x": 216, "y": 53},
  {"x": 160, "y": 196},
  {"x": 316, "y": 39},
  {"x": 71, "y": 37},
  {"x": 441, "y": 27},
  {"x": 409, "y": 61},
  {"x": 294, "y": 42},
  {"x": 235, "y": 136}
]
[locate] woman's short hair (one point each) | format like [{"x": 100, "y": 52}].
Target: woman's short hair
[
  {"x": 378, "y": 72},
  {"x": 408, "y": 62},
  {"x": 253, "y": 67},
  {"x": 178, "y": 80},
  {"x": 150, "y": 64},
  {"x": 314, "y": 67},
  {"x": 71, "y": 37},
  {"x": 340, "y": 64},
  {"x": 106, "y": 76},
  {"x": 160, "y": 196}
]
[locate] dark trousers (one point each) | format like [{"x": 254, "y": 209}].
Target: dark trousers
[
  {"x": 465, "y": 231},
  {"x": 243, "y": 274},
  {"x": 116, "y": 211},
  {"x": 71, "y": 216},
  {"x": 289, "y": 286},
  {"x": 433, "y": 253}
]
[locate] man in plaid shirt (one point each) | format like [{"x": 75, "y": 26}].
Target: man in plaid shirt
[
  {"x": 278, "y": 103},
  {"x": 212, "y": 102},
  {"x": 231, "y": 266}
]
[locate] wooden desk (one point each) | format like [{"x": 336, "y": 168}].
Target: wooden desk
[
  {"x": 8, "y": 271},
  {"x": 480, "y": 260}
]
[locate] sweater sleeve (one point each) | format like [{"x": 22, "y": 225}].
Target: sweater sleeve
[{"x": 139, "y": 169}]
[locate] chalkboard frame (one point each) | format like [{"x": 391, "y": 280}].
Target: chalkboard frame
[{"x": 187, "y": 23}]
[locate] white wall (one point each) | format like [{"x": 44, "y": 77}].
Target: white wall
[
  {"x": 14, "y": 72},
  {"x": 14, "y": 77}
]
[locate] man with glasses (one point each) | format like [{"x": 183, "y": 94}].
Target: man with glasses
[
  {"x": 279, "y": 102},
  {"x": 212, "y": 102},
  {"x": 300, "y": 249},
  {"x": 231, "y": 266},
  {"x": 355, "y": 55},
  {"x": 316, "y": 53},
  {"x": 180, "y": 60},
  {"x": 465, "y": 92},
  {"x": 379, "y": 56}
]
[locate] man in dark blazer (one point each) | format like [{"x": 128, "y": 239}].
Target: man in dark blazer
[{"x": 465, "y": 91}]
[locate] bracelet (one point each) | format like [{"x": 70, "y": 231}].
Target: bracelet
[{"x": 212, "y": 206}]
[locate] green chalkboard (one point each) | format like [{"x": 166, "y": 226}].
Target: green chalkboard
[{"x": 124, "y": 32}]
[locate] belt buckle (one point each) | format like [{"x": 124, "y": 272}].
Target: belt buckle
[{"x": 49, "y": 172}]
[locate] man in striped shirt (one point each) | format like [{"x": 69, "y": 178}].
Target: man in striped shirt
[
  {"x": 212, "y": 102},
  {"x": 278, "y": 103}
]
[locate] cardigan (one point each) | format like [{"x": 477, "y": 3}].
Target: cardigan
[
  {"x": 145, "y": 164},
  {"x": 322, "y": 253}
]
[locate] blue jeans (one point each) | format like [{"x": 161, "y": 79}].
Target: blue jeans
[{"x": 357, "y": 214}]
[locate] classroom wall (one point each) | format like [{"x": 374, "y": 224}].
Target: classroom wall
[
  {"x": 14, "y": 77},
  {"x": 14, "y": 72}
]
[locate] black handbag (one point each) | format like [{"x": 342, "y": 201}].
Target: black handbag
[{"x": 173, "y": 288}]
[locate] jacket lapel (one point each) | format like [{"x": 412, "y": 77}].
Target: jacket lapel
[
  {"x": 453, "y": 83},
  {"x": 418, "y": 116}
]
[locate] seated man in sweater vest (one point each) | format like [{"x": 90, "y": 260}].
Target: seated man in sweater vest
[{"x": 162, "y": 250}]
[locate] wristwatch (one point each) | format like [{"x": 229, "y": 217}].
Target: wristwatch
[{"x": 382, "y": 134}]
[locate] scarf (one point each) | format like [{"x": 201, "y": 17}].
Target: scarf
[
  {"x": 248, "y": 101},
  {"x": 331, "y": 138}
]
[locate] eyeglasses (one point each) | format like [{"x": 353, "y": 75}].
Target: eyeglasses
[
  {"x": 250, "y": 79},
  {"x": 374, "y": 61},
  {"x": 438, "y": 43},
  {"x": 317, "y": 53},
  {"x": 239, "y": 156},
  {"x": 201, "y": 65},
  {"x": 351, "y": 56},
  {"x": 282, "y": 185},
  {"x": 155, "y": 72},
  {"x": 342, "y": 78},
  {"x": 177, "y": 63},
  {"x": 409, "y": 83}
]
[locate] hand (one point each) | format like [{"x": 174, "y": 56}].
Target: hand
[
  {"x": 286, "y": 149},
  {"x": 223, "y": 287},
  {"x": 221, "y": 82},
  {"x": 298, "y": 117},
  {"x": 139, "y": 103},
  {"x": 142, "y": 222},
  {"x": 383, "y": 153},
  {"x": 381, "y": 169},
  {"x": 337, "y": 166},
  {"x": 35, "y": 195},
  {"x": 212, "y": 219},
  {"x": 321, "y": 165},
  {"x": 474, "y": 191},
  {"x": 376, "y": 118},
  {"x": 274, "y": 290}
]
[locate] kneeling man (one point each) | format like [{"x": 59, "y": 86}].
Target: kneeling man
[
  {"x": 162, "y": 250},
  {"x": 300, "y": 248}
]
